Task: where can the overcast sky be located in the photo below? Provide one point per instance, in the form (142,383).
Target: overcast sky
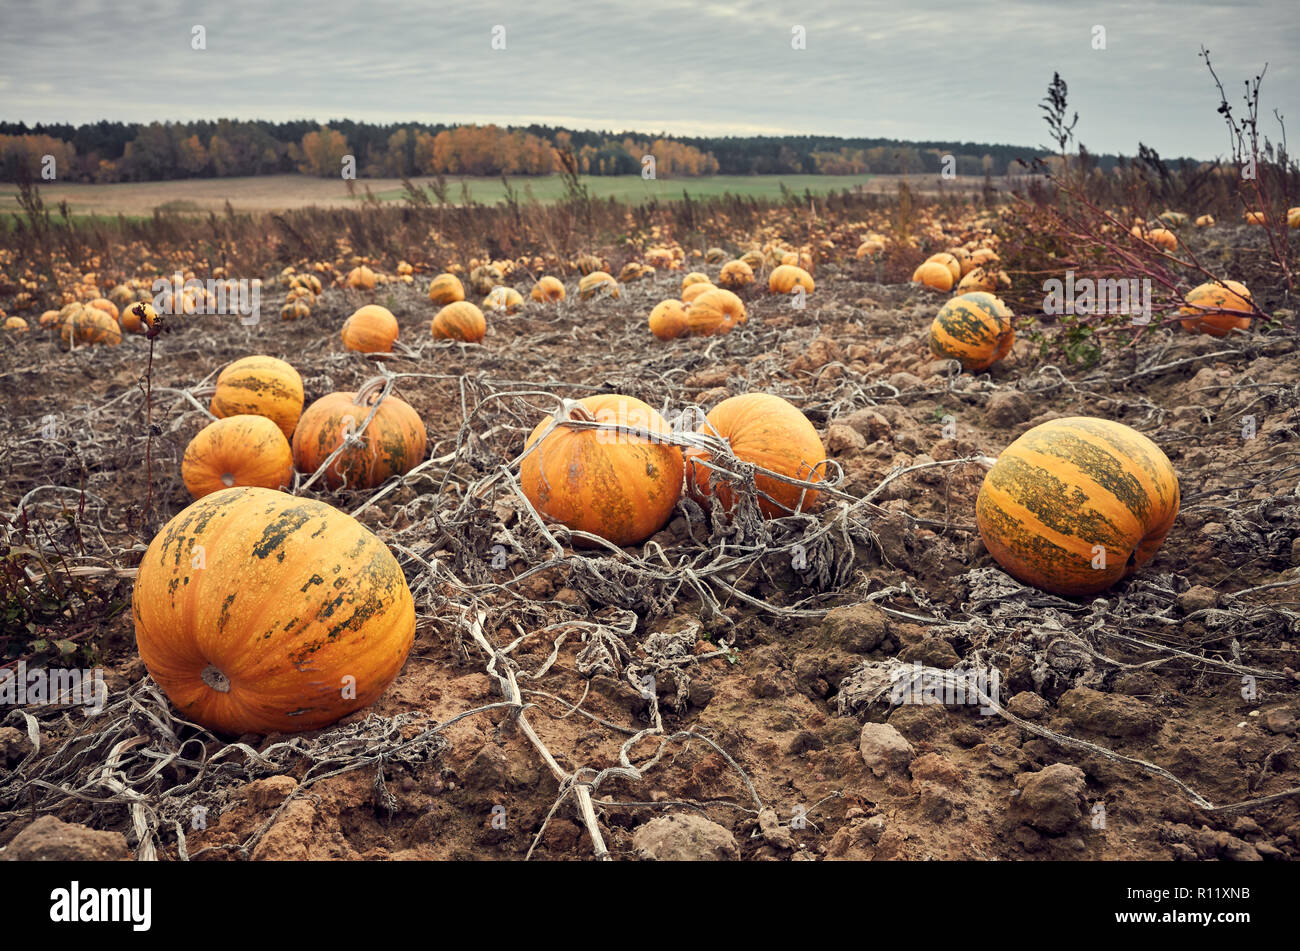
(965,71)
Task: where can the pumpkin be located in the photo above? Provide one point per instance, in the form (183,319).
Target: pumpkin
(138,317)
(978,279)
(1205,221)
(459,321)
(668,320)
(392,444)
(715,255)
(307,282)
(446,289)
(769,432)
(659,258)
(634,271)
(107,306)
(695,290)
(261,386)
(590,264)
(370,329)
(736,274)
(616,485)
(485,277)
(1216,309)
(122,296)
(237,450)
(548,290)
(504,300)
(974,329)
(950,262)
(50,318)
(90,325)
(750,259)
(715,311)
(983,257)
(256,611)
(965,264)
(16,324)
(597,283)
(1293,217)
(1256,218)
(295,310)
(1076,504)
(869,248)
(695,277)
(360,278)
(933,274)
(1163,238)
(785,278)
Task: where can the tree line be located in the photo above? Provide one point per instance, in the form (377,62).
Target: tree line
(107,151)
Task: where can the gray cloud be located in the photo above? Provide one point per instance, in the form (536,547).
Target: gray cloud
(970,71)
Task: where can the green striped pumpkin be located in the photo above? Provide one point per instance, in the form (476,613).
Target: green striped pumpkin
(1076,504)
(974,329)
(256,611)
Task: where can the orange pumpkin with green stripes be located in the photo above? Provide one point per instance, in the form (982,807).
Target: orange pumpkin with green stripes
(619,486)
(263,386)
(446,289)
(1076,504)
(392,444)
(256,611)
(974,329)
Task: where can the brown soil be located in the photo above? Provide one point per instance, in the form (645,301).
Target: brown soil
(1152,672)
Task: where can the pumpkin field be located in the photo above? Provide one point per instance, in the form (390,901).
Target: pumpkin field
(955,525)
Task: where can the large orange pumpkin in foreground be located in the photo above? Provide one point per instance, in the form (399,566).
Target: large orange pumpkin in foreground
(1217,309)
(459,321)
(974,329)
(262,386)
(237,450)
(393,442)
(769,432)
(256,611)
(619,486)
(1076,504)
(370,329)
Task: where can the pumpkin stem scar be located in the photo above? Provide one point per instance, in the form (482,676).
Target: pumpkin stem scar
(215,679)
(227,480)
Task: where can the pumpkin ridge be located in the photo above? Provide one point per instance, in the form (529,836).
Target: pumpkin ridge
(1058,506)
(1089,473)
(1139,452)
